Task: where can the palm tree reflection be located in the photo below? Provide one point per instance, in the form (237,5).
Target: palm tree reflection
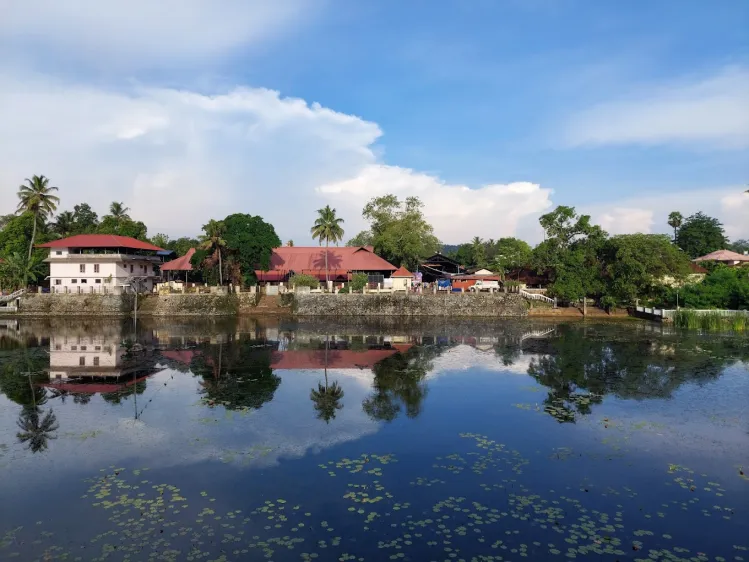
(327,398)
(36,428)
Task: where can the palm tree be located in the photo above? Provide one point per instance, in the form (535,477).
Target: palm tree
(213,240)
(675,220)
(17,271)
(119,211)
(36,431)
(36,197)
(327,228)
(64,224)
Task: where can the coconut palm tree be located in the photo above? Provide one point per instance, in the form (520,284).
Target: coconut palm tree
(119,211)
(675,220)
(64,224)
(16,271)
(35,196)
(327,228)
(213,241)
(36,431)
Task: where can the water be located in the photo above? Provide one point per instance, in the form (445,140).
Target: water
(468,441)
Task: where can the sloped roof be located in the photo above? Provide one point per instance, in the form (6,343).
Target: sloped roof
(336,359)
(402,272)
(312,258)
(723,255)
(100,241)
(182,263)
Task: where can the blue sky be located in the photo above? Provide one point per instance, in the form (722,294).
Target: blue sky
(492,112)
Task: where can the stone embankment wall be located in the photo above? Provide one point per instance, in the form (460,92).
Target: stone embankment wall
(492,305)
(148,305)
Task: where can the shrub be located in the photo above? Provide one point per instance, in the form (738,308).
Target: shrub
(303,280)
(359,281)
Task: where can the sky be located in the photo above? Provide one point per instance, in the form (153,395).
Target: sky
(493,112)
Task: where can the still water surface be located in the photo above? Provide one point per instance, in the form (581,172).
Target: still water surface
(314,440)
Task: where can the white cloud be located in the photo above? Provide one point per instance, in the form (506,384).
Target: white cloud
(650,214)
(711,111)
(144,32)
(457,212)
(178,158)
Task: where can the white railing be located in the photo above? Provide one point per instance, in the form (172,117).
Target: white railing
(536,297)
(536,334)
(12,296)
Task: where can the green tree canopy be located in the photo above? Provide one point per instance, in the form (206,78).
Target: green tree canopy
(123,227)
(364,238)
(511,253)
(86,220)
(634,265)
(400,233)
(180,246)
(699,235)
(64,224)
(249,243)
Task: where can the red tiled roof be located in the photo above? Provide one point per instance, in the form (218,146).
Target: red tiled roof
(337,359)
(402,272)
(180,264)
(309,259)
(697,268)
(100,241)
(723,255)
(182,355)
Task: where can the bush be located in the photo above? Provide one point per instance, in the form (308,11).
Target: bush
(359,281)
(303,280)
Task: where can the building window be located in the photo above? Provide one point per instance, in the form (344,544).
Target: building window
(96,361)
(58,281)
(58,347)
(97,348)
(58,253)
(97,281)
(82,361)
(83,348)
(84,280)
(96,268)
(74,280)
(131,268)
(82,267)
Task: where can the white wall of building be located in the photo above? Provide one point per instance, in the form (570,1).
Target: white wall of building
(87,273)
(69,355)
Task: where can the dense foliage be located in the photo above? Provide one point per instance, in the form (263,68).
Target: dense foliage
(304,280)
(398,230)
(699,235)
(723,288)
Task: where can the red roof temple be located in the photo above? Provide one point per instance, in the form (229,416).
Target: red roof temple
(182,263)
(101,241)
(310,260)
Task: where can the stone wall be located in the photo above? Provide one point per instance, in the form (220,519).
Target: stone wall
(491,305)
(148,305)
(61,304)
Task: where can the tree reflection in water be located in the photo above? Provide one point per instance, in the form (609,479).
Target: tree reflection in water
(580,369)
(327,398)
(36,428)
(236,374)
(399,383)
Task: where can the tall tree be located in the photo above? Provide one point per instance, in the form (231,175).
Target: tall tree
(160,239)
(364,238)
(700,235)
(119,211)
(36,197)
(400,232)
(327,399)
(675,221)
(511,253)
(327,228)
(64,224)
(249,244)
(478,250)
(86,220)
(213,242)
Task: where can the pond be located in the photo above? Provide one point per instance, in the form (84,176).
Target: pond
(314,439)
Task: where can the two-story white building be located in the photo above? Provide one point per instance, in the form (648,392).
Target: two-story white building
(101,263)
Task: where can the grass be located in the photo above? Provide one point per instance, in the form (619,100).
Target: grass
(710,321)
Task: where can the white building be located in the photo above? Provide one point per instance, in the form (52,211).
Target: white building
(101,263)
(95,356)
